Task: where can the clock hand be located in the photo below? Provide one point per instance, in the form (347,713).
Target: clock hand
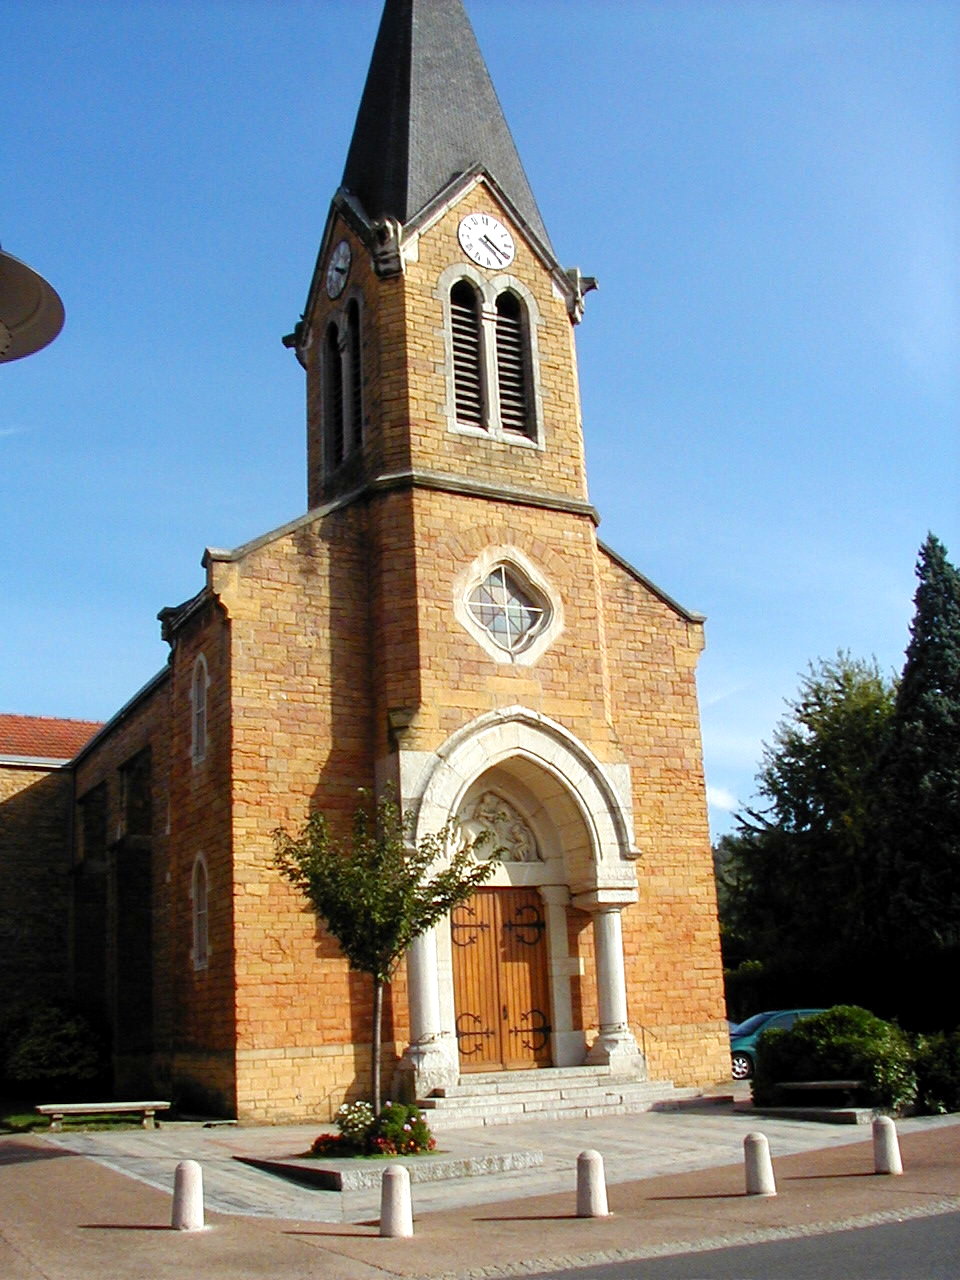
(490,245)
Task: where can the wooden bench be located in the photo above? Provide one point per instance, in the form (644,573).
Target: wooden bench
(848,1087)
(147,1110)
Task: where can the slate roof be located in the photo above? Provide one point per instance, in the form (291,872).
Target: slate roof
(43,737)
(429,112)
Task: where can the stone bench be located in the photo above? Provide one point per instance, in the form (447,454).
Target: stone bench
(821,1086)
(147,1110)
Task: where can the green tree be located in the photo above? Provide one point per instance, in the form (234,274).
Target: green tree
(799,875)
(922,774)
(378,891)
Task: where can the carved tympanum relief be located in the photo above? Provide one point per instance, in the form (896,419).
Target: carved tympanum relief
(509,832)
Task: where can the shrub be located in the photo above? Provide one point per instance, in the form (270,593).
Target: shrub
(399,1130)
(844,1043)
(45,1045)
(938,1073)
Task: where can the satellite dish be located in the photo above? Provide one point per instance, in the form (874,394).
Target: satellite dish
(31,313)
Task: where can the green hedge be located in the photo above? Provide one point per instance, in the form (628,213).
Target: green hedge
(844,1043)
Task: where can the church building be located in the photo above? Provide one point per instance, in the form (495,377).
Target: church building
(444,621)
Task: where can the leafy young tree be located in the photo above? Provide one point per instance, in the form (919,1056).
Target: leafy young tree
(922,776)
(378,891)
(799,875)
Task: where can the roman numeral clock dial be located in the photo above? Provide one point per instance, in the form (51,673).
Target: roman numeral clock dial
(486,241)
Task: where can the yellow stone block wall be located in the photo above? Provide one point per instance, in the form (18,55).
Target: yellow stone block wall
(559,467)
(404,358)
(144,725)
(303,657)
(201,1049)
(35,886)
(675,988)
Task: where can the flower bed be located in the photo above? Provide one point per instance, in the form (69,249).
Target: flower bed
(399,1130)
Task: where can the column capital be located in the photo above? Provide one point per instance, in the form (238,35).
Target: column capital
(597,900)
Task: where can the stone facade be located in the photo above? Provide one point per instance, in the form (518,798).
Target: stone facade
(342,652)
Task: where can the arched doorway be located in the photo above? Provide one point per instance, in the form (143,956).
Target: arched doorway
(479,999)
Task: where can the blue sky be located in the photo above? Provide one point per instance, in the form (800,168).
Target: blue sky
(769,194)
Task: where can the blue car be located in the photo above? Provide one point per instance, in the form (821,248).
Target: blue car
(744,1037)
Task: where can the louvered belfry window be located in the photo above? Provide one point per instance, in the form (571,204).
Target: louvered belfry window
(512,373)
(356,375)
(333,396)
(467,358)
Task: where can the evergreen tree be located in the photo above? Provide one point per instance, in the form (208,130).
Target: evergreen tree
(379,891)
(922,776)
(799,876)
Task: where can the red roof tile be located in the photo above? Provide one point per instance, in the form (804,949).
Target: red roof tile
(43,737)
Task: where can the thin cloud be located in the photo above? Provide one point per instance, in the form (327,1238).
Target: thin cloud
(721,798)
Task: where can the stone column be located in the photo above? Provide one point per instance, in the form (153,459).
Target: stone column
(615,1044)
(430,1061)
(569,1045)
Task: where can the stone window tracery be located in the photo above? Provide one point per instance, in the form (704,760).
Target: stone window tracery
(507,609)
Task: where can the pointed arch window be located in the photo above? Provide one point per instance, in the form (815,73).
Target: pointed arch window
(491,356)
(343,385)
(199,684)
(513,370)
(355,378)
(200,914)
(467,354)
(333,396)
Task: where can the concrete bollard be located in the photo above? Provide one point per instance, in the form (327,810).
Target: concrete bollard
(591,1186)
(886,1148)
(187,1197)
(757,1166)
(396,1208)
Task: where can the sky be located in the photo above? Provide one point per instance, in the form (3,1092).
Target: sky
(767,190)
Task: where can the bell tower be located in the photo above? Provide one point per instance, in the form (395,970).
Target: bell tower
(437,332)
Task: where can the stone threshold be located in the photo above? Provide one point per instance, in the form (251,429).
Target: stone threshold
(328,1173)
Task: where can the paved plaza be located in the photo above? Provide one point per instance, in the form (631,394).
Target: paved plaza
(98,1204)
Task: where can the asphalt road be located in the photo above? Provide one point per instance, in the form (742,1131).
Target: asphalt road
(920,1249)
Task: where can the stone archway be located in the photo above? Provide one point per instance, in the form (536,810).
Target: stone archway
(567,821)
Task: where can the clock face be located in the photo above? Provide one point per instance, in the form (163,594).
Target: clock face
(486,241)
(338,268)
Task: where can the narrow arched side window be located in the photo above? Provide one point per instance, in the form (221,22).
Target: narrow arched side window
(513,366)
(333,397)
(201,914)
(354,387)
(467,355)
(199,685)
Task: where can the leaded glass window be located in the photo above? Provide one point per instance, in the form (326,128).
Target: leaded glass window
(507,610)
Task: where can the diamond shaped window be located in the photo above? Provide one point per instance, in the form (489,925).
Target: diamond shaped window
(508,609)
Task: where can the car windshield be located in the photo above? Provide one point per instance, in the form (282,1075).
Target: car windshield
(751,1024)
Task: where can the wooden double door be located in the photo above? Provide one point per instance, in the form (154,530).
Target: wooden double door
(500,983)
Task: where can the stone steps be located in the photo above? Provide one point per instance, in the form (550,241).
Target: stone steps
(551,1093)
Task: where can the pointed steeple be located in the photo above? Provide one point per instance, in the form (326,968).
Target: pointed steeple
(430,112)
